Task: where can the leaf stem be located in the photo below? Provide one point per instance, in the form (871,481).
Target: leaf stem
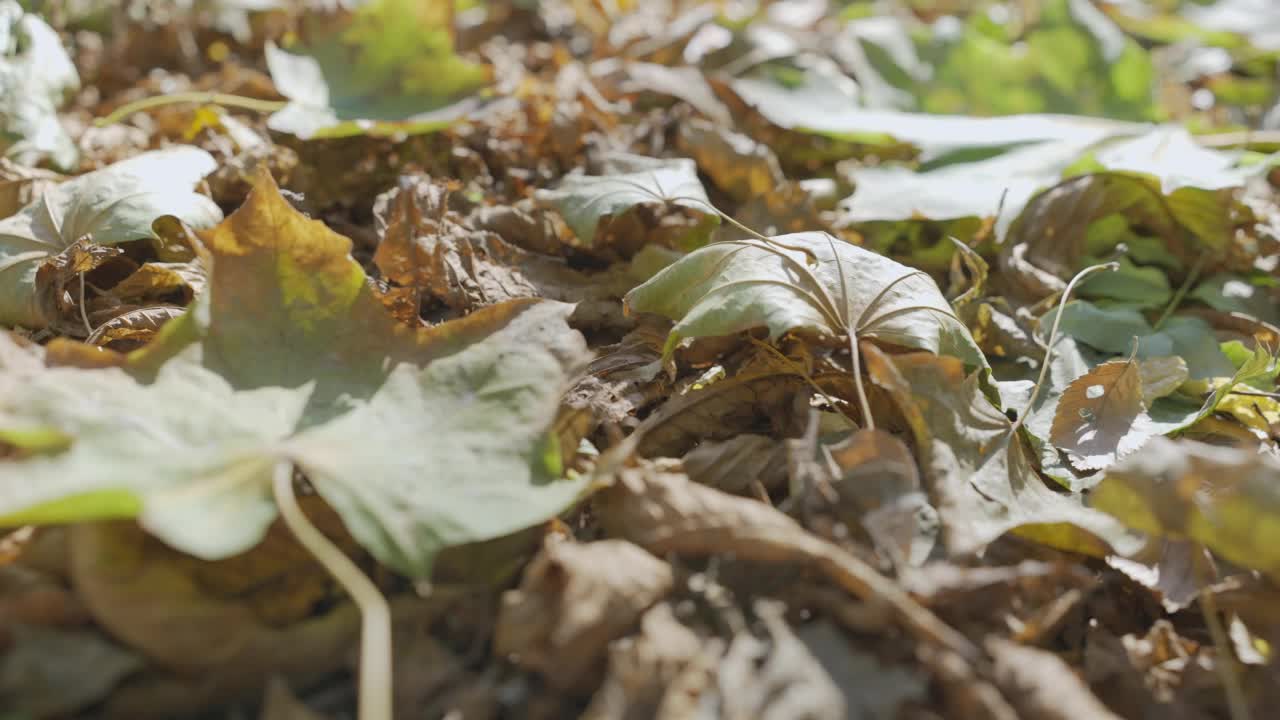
(1053,337)
(1237,703)
(203,98)
(375,630)
(863,405)
(1182,290)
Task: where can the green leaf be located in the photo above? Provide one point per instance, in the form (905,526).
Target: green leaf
(1113,330)
(419,439)
(36,75)
(821,106)
(808,281)
(1227,292)
(113,205)
(1226,498)
(388,67)
(589,201)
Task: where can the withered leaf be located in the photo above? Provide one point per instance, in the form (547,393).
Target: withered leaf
(1102,415)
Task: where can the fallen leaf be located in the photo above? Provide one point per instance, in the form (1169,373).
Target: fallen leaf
(665,513)
(872,689)
(1221,497)
(384,68)
(596,206)
(979,475)
(804,281)
(573,600)
(1102,415)
(114,205)
(342,367)
(36,75)
(643,668)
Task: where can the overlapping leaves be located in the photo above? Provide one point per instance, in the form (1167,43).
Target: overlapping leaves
(420,439)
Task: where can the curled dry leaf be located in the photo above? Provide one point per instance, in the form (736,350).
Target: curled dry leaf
(573,600)
(643,669)
(1041,685)
(665,513)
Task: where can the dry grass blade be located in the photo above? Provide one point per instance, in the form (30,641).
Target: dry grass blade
(665,513)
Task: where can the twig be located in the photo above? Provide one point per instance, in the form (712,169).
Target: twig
(1053,336)
(1237,703)
(202,98)
(1181,293)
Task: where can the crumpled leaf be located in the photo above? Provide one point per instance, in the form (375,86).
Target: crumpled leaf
(784,285)
(980,477)
(593,204)
(114,205)
(304,381)
(1224,498)
(573,600)
(873,689)
(1041,685)
(665,513)
(644,669)
(35,76)
(386,67)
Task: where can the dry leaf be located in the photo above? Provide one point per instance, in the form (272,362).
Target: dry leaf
(1101,416)
(664,513)
(573,600)
(1041,685)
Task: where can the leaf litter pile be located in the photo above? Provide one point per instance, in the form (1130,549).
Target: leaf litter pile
(607,359)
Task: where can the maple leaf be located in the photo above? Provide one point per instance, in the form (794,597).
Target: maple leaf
(419,439)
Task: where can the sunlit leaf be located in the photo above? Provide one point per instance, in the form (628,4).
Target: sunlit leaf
(590,204)
(808,281)
(1226,498)
(35,77)
(387,67)
(419,439)
(114,205)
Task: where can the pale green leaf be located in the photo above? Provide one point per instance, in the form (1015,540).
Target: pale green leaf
(588,201)
(387,67)
(808,281)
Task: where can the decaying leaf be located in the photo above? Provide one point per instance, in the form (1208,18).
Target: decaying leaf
(114,205)
(804,281)
(575,599)
(1102,415)
(1224,498)
(980,477)
(339,364)
(598,207)
(665,513)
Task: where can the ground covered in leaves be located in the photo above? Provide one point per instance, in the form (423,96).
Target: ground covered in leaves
(793,359)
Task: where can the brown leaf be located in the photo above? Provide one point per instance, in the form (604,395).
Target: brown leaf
(665,513)
(189,617)
(133,329)
(1101,415)
(738,165)
(1041,685)
(879,486)
(643,668)
(739,464)
(573,600)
